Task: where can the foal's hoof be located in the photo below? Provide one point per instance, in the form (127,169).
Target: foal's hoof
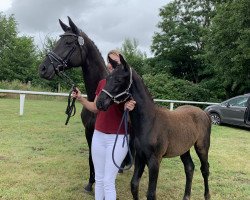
(88,188)
(186,198)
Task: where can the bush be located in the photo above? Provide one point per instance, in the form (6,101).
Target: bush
(163,86)
(18,85)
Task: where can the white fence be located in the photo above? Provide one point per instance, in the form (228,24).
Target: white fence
(23,93)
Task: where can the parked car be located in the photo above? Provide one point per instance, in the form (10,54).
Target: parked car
(231,111)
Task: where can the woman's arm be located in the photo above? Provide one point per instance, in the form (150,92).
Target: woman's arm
(91,106)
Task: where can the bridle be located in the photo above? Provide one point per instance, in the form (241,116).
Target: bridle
(59,64)
(125,92)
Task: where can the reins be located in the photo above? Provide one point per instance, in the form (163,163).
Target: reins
(125,139)
(71,108)
(71,105)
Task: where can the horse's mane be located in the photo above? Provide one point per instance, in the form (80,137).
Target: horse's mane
(93,45)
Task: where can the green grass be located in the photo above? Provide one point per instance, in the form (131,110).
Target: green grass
(41,158)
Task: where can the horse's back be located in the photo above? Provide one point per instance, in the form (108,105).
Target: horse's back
(199,115)
(182,128)
(187,114)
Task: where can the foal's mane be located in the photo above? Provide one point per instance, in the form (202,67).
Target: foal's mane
(138,79)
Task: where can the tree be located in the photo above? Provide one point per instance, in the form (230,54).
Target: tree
(133,55)
(17,53)
(180,40)
(228,46)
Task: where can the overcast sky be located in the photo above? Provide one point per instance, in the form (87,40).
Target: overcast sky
(106,22)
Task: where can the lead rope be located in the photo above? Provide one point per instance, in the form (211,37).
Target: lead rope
(125,120)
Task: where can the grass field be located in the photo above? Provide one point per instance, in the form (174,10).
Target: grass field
(41,158)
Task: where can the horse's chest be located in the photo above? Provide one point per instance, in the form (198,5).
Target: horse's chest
(88,118)
(141,144)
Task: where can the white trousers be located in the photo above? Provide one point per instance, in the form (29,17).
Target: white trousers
(105,170)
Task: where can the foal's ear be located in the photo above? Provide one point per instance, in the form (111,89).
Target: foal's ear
(64,26)
(73,27)
(123,61)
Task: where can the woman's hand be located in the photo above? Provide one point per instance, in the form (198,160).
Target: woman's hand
(91,106)
(77,94)
(130,105)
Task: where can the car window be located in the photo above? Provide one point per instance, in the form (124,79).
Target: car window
(239,101)
(224,103)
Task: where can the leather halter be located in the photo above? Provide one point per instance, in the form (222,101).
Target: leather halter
(125,92)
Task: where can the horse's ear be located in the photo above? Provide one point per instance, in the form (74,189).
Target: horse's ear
(123,61)
(64,26)
(73,27)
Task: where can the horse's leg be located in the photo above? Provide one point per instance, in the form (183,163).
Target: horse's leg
(203,156)
(89,135)
(138,171)
(189,171)
(153,169)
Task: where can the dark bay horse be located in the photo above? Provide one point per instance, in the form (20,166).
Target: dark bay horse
(159,132)
(75,49)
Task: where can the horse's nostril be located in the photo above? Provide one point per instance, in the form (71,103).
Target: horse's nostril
(43,68)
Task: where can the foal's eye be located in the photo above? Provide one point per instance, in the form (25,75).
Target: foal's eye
(118,80)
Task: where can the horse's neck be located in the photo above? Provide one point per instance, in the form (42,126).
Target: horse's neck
(94,70)
(145,108)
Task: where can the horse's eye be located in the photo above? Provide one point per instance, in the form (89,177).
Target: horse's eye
(68,42)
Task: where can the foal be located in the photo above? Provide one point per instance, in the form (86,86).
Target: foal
(159,132)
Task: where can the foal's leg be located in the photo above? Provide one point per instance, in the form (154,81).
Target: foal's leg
(203,156)
(153,168)
(189,171)
(138,171)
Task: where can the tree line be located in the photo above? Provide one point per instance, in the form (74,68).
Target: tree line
(201,52)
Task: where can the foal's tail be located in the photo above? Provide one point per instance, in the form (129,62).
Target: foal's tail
(203,141)
(209,118)
(209,122)
(208,129)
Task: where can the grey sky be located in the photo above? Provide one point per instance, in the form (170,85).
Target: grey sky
(106,22)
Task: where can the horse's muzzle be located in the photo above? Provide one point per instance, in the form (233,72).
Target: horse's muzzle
(45,72)
(103,102)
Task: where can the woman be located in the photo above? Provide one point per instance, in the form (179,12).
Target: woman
(106,127)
